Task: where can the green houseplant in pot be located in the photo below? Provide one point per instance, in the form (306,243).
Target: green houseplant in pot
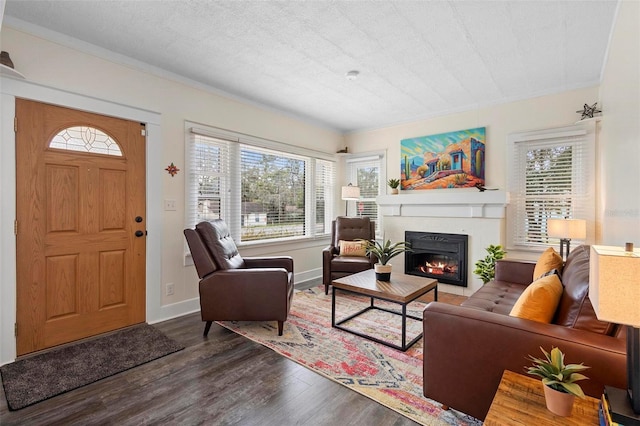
(385,252)
(559,380)
(393,184)
(486,268)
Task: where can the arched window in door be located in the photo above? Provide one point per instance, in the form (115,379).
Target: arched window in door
(85,139)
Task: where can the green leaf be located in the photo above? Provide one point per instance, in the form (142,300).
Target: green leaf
(555,373)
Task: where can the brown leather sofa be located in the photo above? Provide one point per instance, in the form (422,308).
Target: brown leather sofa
(347,229)
(467,347)
(233,288)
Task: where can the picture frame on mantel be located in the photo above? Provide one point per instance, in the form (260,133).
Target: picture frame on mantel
(444,160)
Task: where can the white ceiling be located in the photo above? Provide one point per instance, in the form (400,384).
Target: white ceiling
(417,59)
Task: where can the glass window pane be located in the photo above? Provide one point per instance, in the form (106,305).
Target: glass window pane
(85,139)
(273,194)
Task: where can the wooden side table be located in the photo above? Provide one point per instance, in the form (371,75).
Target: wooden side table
(520,401)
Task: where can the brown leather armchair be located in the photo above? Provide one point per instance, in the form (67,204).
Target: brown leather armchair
(347,229)
(233,288)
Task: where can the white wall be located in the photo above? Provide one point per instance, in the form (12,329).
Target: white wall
(500,120)
(66,67)
(619,206)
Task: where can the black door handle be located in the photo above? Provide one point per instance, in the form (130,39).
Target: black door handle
(139,233)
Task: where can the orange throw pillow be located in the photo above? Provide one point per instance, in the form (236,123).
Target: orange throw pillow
(352,248)
(539,300)
(548,260)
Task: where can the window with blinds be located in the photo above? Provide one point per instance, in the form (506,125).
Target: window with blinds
(273,194)
(264,190)
(325,183)
(551,175)
(367,174)
(208,177)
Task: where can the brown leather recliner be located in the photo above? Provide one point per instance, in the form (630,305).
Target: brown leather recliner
(233,288)
(348,229)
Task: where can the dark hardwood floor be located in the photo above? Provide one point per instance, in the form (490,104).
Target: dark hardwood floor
(223,379)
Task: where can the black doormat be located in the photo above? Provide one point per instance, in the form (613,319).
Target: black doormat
(45,375)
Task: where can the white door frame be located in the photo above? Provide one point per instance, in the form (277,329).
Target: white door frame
(10,90)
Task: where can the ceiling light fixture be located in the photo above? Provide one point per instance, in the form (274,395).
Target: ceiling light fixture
(352,75)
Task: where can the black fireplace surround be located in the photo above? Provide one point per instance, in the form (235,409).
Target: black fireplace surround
(439,256)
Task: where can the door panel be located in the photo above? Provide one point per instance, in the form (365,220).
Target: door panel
(80,268)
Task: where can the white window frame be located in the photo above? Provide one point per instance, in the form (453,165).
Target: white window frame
(353,162)
(231,199)
(583,174)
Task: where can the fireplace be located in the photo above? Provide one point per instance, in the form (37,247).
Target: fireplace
(439,256)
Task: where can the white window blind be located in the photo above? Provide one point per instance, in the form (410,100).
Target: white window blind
(324,190)
(366,173)
(264,190)
(208,179)
(551,176)
(273,194)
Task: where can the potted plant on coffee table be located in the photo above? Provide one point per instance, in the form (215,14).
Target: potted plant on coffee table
(385,252)
(559,380)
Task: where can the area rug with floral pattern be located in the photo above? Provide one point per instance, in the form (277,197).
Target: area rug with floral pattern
(388,376)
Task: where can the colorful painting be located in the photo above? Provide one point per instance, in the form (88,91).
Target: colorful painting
(445,160)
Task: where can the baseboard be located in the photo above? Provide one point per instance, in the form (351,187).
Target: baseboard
(175,310)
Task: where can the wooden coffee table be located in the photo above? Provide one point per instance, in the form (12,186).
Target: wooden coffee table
(520,401)
(402,289)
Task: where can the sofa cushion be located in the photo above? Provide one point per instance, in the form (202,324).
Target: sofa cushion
(351,264)
(495,296)
(352,248)
(539,300)
(548,260)
(575,309)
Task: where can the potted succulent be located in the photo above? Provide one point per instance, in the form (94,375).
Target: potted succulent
(385,252)
(486,268)
(559,380)
(393,184)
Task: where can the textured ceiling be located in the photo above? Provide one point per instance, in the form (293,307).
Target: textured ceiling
(416,59)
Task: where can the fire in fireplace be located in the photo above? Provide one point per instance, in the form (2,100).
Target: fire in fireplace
(439,256)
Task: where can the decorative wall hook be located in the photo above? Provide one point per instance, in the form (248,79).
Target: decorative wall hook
(172,169)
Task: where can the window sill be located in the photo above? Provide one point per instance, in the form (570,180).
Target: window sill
(271,248)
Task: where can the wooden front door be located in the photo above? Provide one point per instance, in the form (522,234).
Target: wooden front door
(80,230)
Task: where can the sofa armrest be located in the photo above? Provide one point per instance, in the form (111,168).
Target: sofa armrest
(330,251)
(515,271)
(466,351)
(327,255)
(285,262)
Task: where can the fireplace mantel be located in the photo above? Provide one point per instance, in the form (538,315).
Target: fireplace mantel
(435,203)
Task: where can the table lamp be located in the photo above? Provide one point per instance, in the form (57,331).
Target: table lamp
(350,192)
(566,229)
(614,291)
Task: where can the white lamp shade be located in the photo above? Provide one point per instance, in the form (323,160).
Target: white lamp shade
(614,284)
(350,192)
(567,228)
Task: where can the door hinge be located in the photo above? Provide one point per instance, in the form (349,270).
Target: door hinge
(15,227)
(15,124)
(15,329)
